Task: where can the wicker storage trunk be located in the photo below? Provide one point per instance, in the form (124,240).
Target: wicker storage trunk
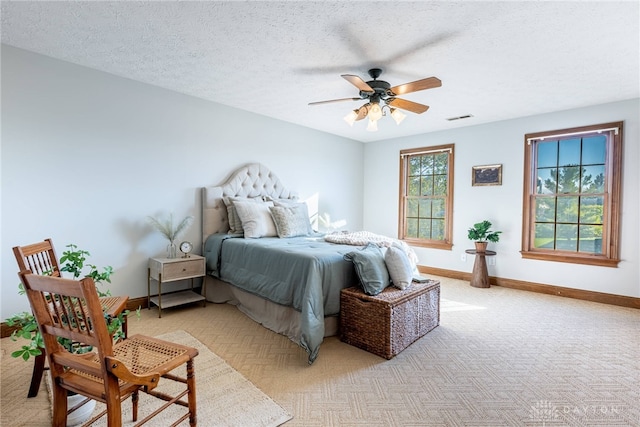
(389,322)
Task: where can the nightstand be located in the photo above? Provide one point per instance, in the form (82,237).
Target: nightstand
(166,270)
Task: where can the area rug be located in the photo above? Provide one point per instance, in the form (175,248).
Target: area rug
(224,396)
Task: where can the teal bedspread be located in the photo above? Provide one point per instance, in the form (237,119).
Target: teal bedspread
(305,273)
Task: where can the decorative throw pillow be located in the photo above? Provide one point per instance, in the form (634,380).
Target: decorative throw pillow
(291,221)
(235,225)
(256,219)
(371,269)
(399,267)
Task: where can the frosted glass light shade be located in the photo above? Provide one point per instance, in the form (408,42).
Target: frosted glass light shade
(375,112)
(372,126)
(398,115)
(351,117)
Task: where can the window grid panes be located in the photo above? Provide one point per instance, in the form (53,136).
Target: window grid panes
(425,199)
(573,196)
(569,195)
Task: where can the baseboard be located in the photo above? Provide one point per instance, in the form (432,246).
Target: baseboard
(601,297)
(135,303)
(5,330)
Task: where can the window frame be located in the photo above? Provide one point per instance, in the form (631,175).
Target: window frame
(612,198)
(405,155)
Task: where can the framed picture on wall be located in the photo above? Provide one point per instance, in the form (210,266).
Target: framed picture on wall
(486,175)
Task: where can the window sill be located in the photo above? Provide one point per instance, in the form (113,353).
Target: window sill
(574,259)
(429,244)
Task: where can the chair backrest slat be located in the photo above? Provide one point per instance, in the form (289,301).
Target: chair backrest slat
(39,258)
(67,308)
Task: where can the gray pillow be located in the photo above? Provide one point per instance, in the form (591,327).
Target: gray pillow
(235,224)
(256,219)
(399,267)
(291,221)
(371,269)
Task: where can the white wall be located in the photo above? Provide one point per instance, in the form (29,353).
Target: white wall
(87,156)
(503,142)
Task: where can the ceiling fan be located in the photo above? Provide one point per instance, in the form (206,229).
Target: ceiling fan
(380,94)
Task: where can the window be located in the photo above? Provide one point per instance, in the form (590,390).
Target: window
(426,196)
(572,195)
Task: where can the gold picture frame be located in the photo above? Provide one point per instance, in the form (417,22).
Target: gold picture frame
(486,175)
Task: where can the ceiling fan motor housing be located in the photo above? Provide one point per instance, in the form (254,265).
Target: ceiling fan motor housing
(380,88)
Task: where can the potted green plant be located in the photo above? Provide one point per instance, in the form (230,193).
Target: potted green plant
(481,234)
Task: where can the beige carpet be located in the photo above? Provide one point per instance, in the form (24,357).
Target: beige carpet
(500,357)
(224,396)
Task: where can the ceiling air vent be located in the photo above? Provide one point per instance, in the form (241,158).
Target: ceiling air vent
(466,116)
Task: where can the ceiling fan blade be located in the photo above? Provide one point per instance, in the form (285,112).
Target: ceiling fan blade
(362,112)
(403,104)
(334,100)
(357,82)
(428,83)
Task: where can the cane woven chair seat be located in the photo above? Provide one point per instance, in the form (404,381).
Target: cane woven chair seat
(141,354)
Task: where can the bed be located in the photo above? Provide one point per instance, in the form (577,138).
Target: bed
(289,284)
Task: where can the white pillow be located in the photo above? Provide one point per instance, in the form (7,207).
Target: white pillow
(256,219)
(399,266)
(291,221)
(235,225)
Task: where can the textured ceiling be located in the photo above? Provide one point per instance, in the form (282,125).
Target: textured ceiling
(496,60)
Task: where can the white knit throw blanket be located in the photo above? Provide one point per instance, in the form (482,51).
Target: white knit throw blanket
(362,238)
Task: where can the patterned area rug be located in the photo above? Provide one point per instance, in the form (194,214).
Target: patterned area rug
(224,396)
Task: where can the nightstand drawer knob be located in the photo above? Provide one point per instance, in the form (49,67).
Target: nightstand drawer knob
(184,269)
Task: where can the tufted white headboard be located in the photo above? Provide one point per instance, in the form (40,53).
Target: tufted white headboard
(252,180)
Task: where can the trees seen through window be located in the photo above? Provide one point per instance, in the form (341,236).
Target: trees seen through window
(572,195)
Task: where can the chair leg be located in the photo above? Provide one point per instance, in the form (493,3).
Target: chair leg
(59,406)
(191,386)
(36,376)
(125,329)
(134,403)
(113,402)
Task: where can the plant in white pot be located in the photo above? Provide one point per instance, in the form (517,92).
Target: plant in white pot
(481,234)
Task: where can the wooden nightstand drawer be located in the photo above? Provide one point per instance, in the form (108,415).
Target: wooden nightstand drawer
(176,268)
(183,270)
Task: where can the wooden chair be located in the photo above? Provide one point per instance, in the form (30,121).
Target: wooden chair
(113,372)
(40,258)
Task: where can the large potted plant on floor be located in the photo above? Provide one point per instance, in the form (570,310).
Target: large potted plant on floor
(481,234)
(72,261)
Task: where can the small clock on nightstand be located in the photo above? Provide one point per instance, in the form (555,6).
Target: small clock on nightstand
(186,248)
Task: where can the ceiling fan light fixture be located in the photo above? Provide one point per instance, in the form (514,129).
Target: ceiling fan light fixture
(372,126)
(398,115)
(375,112)
(351,117)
